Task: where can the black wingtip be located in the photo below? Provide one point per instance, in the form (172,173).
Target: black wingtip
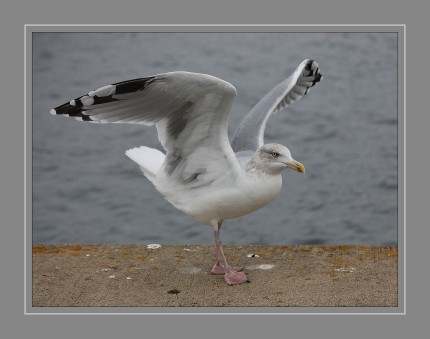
(103,95)
(76,110)
(313,70)
(318,78)
(134,85)
(308,66)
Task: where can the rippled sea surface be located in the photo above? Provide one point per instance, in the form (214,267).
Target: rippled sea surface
(345,132)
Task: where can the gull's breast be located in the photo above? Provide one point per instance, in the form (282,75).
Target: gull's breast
(246,195)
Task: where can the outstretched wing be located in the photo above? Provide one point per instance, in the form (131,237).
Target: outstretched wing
(190,112)
(250,133)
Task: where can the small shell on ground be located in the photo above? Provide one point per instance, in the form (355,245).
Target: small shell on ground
(153,246)
(190,270)
(260,267)
(252,255)
(345,269)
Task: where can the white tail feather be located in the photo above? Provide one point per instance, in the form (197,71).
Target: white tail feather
(148,159)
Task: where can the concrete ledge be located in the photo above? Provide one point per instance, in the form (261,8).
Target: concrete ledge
(135,275)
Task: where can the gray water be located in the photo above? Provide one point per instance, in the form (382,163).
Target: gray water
(344,131)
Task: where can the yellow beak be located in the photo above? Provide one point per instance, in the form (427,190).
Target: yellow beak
(297,166)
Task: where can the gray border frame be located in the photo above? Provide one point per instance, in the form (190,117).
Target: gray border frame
(399,29)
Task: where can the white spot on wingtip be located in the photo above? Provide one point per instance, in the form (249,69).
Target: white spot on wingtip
(103,91)
(153,246)
(53,111)
(87,101)
(72,102)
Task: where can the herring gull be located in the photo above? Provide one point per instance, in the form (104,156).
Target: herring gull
(201,173)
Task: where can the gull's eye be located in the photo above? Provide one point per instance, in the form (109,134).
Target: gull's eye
(275,154)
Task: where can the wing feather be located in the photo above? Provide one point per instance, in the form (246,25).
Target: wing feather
(250,133)
(190,111)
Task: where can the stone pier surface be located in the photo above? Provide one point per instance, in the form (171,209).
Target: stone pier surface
(174,275)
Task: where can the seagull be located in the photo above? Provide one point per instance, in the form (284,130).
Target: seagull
(200,172)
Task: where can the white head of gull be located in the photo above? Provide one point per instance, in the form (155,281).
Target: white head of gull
(200,172)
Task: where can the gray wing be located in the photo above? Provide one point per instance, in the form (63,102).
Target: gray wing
(250,133)
(190,111)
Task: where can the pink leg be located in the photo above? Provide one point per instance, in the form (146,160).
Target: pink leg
(232,275)
(218,267)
